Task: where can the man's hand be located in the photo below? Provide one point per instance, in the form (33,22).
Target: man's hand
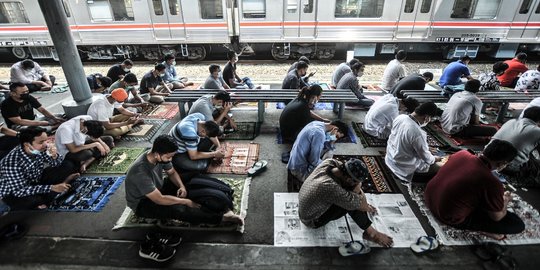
(358,189)
(438,159)
(219,154)
(227,106)
(59,188)
(192,204)
(101,149)
(181,193)
(51,150)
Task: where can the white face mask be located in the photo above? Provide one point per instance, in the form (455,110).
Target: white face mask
(360,74)
(126,69)
(174,63)
(162,75)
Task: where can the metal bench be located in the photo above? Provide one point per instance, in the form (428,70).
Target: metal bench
(339,97)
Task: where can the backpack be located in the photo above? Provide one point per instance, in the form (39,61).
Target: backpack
(211,193)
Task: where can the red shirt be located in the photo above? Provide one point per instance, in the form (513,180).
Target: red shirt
(514,69)
(464,184)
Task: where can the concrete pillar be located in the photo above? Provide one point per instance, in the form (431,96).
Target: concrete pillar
(58,25)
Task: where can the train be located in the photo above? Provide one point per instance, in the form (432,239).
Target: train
(284,29)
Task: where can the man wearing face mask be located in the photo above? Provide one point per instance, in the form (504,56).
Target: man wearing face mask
(312,142)
(461,117)
(407,152)
(466,195)
(171,76)
(18,110)
(350,81)
(215,108)
(118,71)
(294,80)
(153,88)
(215,80)
(98,83)
(25,183)
(32,75)
(333,190)
(136,103)
(379,118)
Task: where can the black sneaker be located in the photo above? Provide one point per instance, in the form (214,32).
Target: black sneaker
(171,240)
(156,251)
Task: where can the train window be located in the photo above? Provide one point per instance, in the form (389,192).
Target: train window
(111,10)
(254,9)
(409,6)
(525,6)
(477,9)
(462,9)
(12,12)
(359,8)
(158,7)
(537,11)
(174,7)
(66,8)
(211,9)
(308,7)
(292,6)
(426,6)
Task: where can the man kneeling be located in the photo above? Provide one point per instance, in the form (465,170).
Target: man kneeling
(333,190)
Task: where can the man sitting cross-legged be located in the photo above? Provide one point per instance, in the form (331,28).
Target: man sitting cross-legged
(333,190)
(466,195)
(379,118)
(135,103)
(215,108)
(80,140)
(196,138)
(25,183)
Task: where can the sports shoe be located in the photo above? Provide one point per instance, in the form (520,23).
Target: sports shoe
(156,251)
(171,240)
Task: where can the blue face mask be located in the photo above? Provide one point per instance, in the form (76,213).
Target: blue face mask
(330,137)
(34,151)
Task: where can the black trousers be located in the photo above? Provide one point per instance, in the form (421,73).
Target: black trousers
(335,212)
(147,208)
(480,221)
(34,87)
(7,143)
(50,176)
(85,155)
(476,131)
(183,163)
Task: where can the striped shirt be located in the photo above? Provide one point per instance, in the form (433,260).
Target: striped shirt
(185,132)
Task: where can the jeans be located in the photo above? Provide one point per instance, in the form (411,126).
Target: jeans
(480,221)
(335,212)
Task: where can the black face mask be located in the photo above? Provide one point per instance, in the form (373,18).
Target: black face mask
(25,96)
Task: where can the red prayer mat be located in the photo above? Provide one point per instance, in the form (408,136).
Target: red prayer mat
(165,110)
(239,157)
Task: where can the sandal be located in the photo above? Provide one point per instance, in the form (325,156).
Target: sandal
(424,244)
(257,168)
(354,248)
(13,231)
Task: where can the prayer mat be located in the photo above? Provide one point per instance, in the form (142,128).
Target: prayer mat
(326,106)
(373,87)
(128,219)
(350,139)
(380,178)
(165,110)
(434,140)
(87,194)
(239,157)
(144,132)
(245,131)
(248,106)
(195,86)
(117,161)
(451,236)
(436,129)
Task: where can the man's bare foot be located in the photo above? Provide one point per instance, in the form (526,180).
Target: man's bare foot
(495,236)
(71,177)
(378,237)
(232,217)
(82,169)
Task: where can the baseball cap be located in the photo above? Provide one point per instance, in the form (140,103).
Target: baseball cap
(356,169)
(119,94)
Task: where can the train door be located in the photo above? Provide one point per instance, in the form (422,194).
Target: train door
(167,20)
(71,21)
(526,21)
(415,19)
(299,19)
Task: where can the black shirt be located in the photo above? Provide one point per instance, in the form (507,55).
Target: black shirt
(228,73)
(149,81)
(25,109)
(295,116)
(115,72)
(410,82)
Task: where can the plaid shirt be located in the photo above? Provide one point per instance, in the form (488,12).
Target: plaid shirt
(20,173)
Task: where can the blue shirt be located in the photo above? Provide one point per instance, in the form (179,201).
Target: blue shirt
(185,132)
(307,149)
(170,72)
(453,72)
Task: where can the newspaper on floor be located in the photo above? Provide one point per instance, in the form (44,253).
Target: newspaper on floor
(394,218)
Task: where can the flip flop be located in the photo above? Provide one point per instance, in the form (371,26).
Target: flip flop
(257,168)
(285,156)
(424,244)
(354,248)
(13,231)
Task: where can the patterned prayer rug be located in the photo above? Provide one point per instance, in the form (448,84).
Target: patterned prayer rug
(239,157)
(165,110)
(350,139)
(373,87)
(128,219)
(144,132)
(436,129)
(380,178)
(451,236)
(246,131)
(195,86)
(434,140)
(117,161)
(87,194)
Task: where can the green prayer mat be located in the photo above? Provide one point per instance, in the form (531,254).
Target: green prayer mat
(117,161)
(245,131)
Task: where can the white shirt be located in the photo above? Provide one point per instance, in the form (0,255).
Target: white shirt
(458,111)
(101,109)
(393,71)
(70,132)
(530,80)
(378,120)
(534,103)
(407,151)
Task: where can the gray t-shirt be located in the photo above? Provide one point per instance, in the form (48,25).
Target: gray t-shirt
(204,106)
(213,83)
(142,178)
(340,70)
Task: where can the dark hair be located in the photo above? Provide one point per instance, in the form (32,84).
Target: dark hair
(131,78)
(532,113)
(301,65)
(230,55)
(160,67)
(29,134)
(342,127)
(95,128)
(13,86)
(128,62)
(465,58)
(106,81)
(212,129)
(473,86)
(353,61)
(168,57)
(213,67)
(410,104)
(428,75)
(500,67)
(428,108)
(521,56)
(538,67)
(223,95)
(401,55)
(357,66)
(27,63)
(304,58)
(164,144)
(307,93)
(499,150)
